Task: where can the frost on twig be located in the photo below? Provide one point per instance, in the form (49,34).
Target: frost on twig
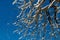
(33,18)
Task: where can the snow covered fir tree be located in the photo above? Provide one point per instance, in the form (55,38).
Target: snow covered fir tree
(38,19)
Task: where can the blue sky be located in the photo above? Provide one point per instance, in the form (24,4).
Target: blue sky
(8,13)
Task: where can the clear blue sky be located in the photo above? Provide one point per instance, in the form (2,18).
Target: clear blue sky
(8,13)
